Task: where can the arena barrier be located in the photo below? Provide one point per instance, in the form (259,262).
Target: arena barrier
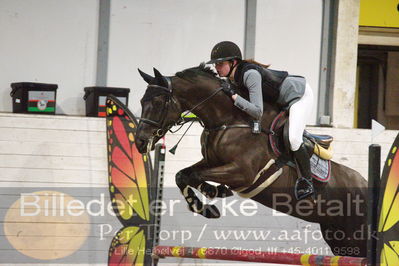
(254,256)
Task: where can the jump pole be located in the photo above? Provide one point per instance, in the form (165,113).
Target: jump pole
(254,256)
(373,196)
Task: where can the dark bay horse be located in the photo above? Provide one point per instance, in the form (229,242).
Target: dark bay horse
(233,156)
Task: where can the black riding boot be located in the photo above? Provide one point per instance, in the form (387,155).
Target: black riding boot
(304,185)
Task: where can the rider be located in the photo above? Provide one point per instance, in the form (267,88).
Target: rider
(292,93)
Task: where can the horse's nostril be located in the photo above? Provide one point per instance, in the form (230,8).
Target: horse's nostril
(141,144)
(139,141)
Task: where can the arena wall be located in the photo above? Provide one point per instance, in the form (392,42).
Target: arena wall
(61,153)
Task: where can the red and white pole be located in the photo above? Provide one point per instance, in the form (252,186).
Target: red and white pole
(255,256)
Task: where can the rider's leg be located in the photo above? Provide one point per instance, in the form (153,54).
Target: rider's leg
(299,112)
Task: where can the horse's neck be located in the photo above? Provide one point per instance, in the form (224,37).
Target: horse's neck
(215,110)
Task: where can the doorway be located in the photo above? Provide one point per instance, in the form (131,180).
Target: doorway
(377,86)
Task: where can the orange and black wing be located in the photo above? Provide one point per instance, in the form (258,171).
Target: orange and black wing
(129,174)
(129,171)
(388,226)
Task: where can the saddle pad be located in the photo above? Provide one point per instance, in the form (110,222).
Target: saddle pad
(321,169)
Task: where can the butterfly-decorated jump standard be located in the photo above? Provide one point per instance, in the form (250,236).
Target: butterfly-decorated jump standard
(129,185)
(388,224)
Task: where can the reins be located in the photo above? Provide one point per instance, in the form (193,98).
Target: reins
(203,101)
(181,121)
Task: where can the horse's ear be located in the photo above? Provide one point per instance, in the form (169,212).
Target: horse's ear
(146,77)
(157,73)
(161,81)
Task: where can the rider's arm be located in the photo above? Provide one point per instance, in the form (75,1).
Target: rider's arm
(254,107)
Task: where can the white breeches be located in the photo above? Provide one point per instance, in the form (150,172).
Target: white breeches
(299,113)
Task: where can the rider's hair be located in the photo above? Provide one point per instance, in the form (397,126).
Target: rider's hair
(252,61)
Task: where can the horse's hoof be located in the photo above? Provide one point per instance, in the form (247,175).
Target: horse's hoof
(223,191)
(210,211)
(208,190)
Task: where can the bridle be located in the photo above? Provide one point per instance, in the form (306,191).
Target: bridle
(161,125)
(162,129)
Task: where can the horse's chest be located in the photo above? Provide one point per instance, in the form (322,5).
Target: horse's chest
(211,150)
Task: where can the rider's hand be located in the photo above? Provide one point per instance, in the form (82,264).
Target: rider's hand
(228,89)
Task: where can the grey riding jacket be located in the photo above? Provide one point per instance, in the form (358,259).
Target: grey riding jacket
(282,88)
(254,107)
(292,89)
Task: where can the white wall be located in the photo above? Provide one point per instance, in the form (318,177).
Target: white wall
(169,35)
(49,41)
(56,41)
(288,36)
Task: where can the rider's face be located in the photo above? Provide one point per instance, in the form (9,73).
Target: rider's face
(223,68)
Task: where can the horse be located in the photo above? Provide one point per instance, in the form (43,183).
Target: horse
(234,157)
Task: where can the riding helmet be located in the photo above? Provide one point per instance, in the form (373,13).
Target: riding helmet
(225,51)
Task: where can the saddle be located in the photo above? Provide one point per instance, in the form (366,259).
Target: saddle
(318,147)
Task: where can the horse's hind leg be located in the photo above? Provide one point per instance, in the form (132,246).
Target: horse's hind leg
(345,243)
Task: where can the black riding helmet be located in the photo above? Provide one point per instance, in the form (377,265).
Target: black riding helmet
(225,51)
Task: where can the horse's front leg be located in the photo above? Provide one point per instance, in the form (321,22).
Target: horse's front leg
(186,180)
(231,174)
(186,177)
(194,177)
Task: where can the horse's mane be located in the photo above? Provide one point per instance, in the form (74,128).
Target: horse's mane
(192,75)
(194,72)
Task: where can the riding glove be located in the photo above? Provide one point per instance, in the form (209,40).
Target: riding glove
(228,89)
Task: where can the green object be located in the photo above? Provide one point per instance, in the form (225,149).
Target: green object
(189,115)
(35,109)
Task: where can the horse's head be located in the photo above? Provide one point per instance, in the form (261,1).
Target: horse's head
(160,111)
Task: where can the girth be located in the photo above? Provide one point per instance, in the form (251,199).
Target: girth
(225,127)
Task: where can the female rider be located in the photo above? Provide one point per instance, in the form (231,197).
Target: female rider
(292,93)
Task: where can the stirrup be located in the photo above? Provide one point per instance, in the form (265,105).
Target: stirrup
(309,191)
